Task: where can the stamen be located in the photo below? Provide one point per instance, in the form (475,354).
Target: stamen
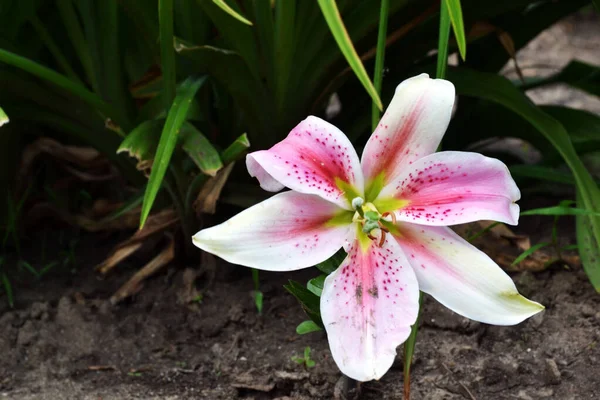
(371,236)
(391,214)
(383,228)
(382,239)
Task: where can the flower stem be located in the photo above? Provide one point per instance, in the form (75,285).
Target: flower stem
(409,350)
(379,58)
(444,36)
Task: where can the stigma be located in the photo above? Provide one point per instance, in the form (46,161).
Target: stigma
(371,220)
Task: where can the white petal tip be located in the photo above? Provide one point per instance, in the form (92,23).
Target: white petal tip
(514,211)
(197,241)
(520,308)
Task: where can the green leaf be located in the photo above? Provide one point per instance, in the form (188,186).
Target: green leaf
(231,11)
(486,120)
(577,74)
(542,173)
(258,300)
(332,263)
(53,48)
(336,25)
(558,210)
(238,37)
(29,268)
(309,301)
(498,89)
(175,119)
(589,250)
(101,24)
(141,142)
(307,327)
(3,117)
(60,81)
(265,37)
(285,12)
(529,252)
(235,149)
(379,59)
(200,150)
(596,4)
(230,70)
(73,29)
(315,285)
(167,52)
(124,209)
(443,38)
(482,232)
(455,13)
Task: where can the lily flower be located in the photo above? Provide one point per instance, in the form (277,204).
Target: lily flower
(390,212)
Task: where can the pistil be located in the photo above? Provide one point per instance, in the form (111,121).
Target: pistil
(370,219)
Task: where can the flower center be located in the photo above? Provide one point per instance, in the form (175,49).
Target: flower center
(371,220)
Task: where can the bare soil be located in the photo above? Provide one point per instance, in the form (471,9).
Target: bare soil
(64,340)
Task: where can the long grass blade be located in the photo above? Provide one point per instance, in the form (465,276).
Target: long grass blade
(560,211)
(529,252)
(379,60)
(59,80)
(285,12)
(75,32)
(588,247)
(3,117)
(8,290)
(112,52)
(458,25)
(232,12)
(167,51)
(444,36)
(53,48)
(175,119)
(339,32)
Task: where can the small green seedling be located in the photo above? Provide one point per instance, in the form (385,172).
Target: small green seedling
(306,360)
(256,293)
(198,299)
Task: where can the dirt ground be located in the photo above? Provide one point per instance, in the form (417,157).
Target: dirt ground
(64,340)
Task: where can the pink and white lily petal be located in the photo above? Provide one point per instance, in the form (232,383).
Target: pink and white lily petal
(368,306)
(411,128)
(463,278)
(286,232)
(315,158)
(454,187)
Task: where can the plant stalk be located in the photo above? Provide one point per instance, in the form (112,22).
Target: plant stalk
(379,60)
(409,349)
